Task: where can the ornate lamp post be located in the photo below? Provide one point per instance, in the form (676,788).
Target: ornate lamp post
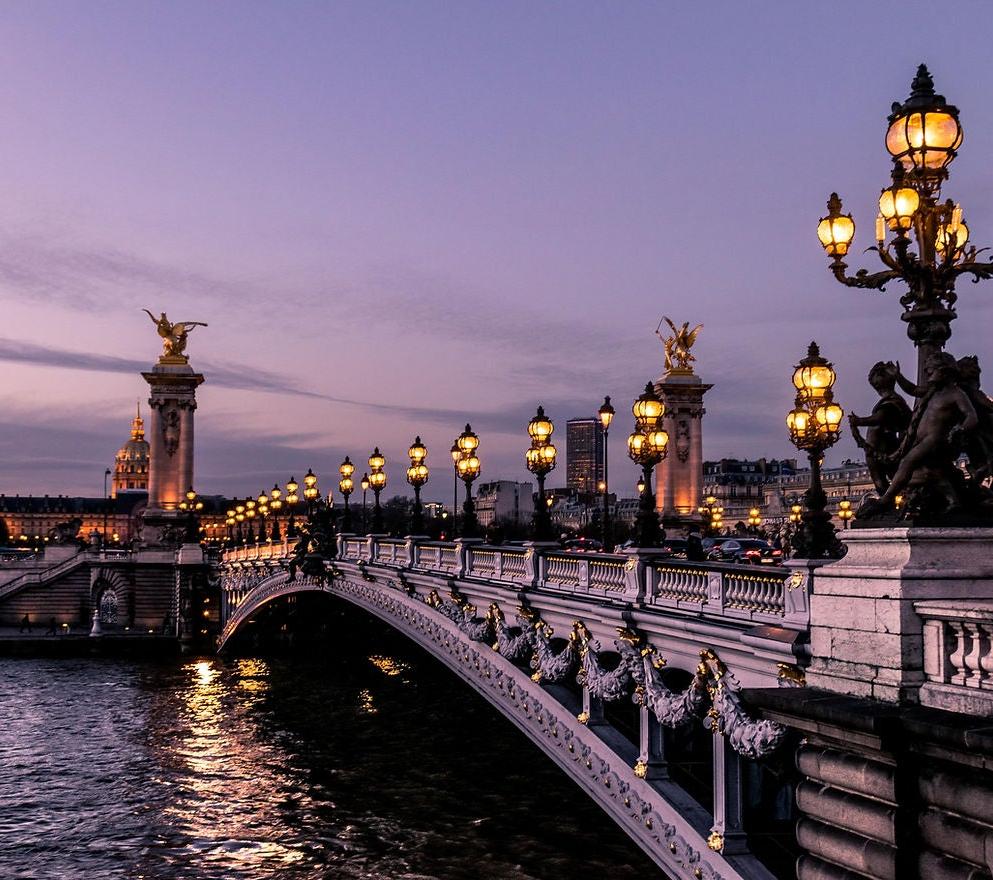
(229,522)
(417,476)
(845,512)
(365,488)
(346,486)
(540,459)
(291,502)
(377,479)
(922,242)
(262,506)
(250,516)
(239,516)
(814,424)
(606,414)
(754,520)
(647,446)
(192,505)
(310,491)
(468,468)
(276,504)
(713,514)
(456,454)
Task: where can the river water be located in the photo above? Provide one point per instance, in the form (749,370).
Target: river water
(352,762)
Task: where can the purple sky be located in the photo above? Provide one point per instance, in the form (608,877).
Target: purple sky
(397,217)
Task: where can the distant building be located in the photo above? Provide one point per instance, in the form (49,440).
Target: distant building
(131,461)
(504,500)
(583,454)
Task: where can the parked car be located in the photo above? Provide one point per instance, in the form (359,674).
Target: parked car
(583,545)
(674,548)
(745,551)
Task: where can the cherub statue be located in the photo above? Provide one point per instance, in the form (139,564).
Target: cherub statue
(677,347)
(889,419)
(173,334)
(941,425)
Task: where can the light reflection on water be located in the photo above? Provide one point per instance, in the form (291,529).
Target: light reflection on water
(246,770)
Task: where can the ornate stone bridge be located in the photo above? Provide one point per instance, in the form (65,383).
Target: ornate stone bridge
(556,640)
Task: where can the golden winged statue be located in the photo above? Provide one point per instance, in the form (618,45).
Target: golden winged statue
(173,335)
(677,346)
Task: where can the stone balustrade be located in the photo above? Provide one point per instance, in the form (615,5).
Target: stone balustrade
(958,654)
(712,590)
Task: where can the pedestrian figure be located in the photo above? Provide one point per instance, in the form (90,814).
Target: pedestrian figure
(51,627)
(694,546)
(25,623)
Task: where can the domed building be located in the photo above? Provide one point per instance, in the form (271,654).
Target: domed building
(131,461)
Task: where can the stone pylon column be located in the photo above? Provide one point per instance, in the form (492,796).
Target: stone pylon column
(679,479)
(172,384)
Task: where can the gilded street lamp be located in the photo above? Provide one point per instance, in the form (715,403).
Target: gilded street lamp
(647,446)
(929,248)
(754,520)
(417,476)
(276,504)
(796,513)
(229,522)
(814,424)
(250,516)
(262,507)
(456,454)
(239,516)
(713,514)
(365,488)
(606,414)
(845,512)
(468,468)
(192,505)
(377,480)
(346,486)
(291,502)
(540,460)
(310,491)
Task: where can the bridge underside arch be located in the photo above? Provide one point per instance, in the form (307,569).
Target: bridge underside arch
(658,815)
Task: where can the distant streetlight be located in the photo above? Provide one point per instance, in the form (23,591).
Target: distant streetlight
(346,486)
(417,476)
(540,460)
(468,468)
(377,479)
(814,424)
(606,414)
(291,502)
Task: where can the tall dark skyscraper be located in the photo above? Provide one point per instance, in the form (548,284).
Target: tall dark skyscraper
(583,454)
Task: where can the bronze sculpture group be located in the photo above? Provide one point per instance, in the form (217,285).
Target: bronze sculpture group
(934,459)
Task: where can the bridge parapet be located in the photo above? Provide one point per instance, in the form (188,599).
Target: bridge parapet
(749,593)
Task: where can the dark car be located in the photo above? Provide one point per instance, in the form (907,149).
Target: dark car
(675,548)
(746,551)
(583,545)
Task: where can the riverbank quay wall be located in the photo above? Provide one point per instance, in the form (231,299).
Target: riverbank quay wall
(85,590)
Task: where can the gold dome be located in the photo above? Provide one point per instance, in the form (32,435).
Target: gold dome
(131,461)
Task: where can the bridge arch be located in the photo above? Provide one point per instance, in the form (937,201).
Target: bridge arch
(677,833)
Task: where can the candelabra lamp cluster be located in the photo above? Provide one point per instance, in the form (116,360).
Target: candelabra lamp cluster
(648,445)
(923,243)
(845,512)
(540,460)
(814,424)
(310,491)
(417,476)
(377,480)
(754,521)
(292,499)
(346,485)
(712,513)
(192,504)
(467,468)
(606,416)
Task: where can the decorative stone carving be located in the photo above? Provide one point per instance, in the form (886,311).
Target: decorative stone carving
(670,708)
(605,684)
(548,664)
(513,642)
(170,431)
